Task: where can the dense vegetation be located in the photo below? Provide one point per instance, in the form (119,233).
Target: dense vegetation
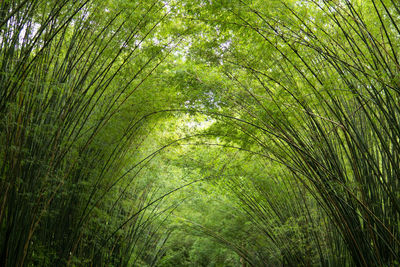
(199,133)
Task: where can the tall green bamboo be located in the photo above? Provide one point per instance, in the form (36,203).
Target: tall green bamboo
(68,71)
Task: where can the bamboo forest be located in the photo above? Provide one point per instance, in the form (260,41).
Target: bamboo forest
(199,133)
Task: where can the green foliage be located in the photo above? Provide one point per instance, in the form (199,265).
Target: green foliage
(199,133)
